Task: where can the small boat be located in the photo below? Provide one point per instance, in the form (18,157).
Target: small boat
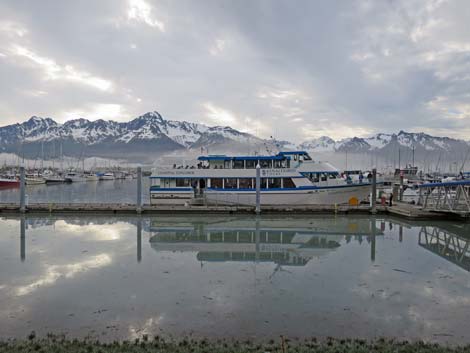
(9,182)
(72,177)
(92,177)
(34,180)
(54,179)
(107,176)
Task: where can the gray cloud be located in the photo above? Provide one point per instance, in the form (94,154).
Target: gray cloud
(294,70)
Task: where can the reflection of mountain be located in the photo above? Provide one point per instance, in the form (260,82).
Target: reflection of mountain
(284,241)
(448,245)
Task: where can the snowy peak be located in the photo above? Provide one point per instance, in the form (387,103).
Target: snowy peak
(321,144)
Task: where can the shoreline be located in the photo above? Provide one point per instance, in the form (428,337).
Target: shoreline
(281,344)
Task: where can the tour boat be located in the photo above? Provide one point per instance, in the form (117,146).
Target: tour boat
(9,182)
(288,178)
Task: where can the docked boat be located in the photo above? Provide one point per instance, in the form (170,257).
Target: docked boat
(92,177)
(72,177)
(107,176)
(9,182)
(288,178)
(34,180)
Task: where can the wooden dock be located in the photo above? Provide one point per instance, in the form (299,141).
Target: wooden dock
(122,208)
(401,210)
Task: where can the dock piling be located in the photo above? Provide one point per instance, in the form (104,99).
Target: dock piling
(139,189)
(139,240)
(258,189)
(374,192)
(400,194)
(22,190)
(23,238)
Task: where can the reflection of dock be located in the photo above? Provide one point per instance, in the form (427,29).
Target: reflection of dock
(452,247)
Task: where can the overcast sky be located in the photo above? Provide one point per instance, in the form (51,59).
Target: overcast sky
(291,69)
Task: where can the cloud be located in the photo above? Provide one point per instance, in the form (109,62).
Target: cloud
(141,11)
(290,70)
(53,71)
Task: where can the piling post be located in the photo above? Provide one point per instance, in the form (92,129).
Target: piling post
(257,239)
(372,240)
(139,240)
(374,192)
(139,190)
(22,238)
(401,188)
(258,189)
(22,190)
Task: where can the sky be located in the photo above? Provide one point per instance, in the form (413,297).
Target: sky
(294,70)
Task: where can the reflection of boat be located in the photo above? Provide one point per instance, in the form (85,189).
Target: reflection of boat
(290,241)
(288,178)
(9,182)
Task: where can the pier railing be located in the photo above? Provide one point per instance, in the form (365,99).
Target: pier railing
(451,197)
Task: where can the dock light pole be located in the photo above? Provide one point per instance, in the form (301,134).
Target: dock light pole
(139,190)
(22,190)
(374,192)
(258,189)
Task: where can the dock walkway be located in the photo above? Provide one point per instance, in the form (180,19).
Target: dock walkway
(402,210)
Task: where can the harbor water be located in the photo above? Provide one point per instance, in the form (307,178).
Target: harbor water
(234,277)
(104,191)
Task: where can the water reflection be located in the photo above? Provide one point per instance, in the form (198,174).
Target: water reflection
(448,245)
(288,242)
(226,276)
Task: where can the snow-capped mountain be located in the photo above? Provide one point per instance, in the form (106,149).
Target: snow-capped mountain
(321,144)
(151,135)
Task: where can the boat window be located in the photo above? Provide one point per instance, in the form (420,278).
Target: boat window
(295,157)
(263,183)
(332,175)
(283,163)
(230,183)
(237,164)
(251,164)
(288,183)
(217,183)
(265,163)
(324,177)
(315,177)
(274,183)
(182,182)
(244,183)
(307,157)
(227,164)
(278,164)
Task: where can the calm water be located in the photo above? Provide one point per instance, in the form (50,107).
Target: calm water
(120,278)
(106,191)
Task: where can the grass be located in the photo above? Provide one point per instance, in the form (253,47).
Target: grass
(57,344)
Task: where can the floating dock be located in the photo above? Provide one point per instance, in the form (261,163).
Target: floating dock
(402,210)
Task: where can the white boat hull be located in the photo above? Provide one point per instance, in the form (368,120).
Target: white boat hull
(311,196)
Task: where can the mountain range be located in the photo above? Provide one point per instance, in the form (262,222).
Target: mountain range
(150,135)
